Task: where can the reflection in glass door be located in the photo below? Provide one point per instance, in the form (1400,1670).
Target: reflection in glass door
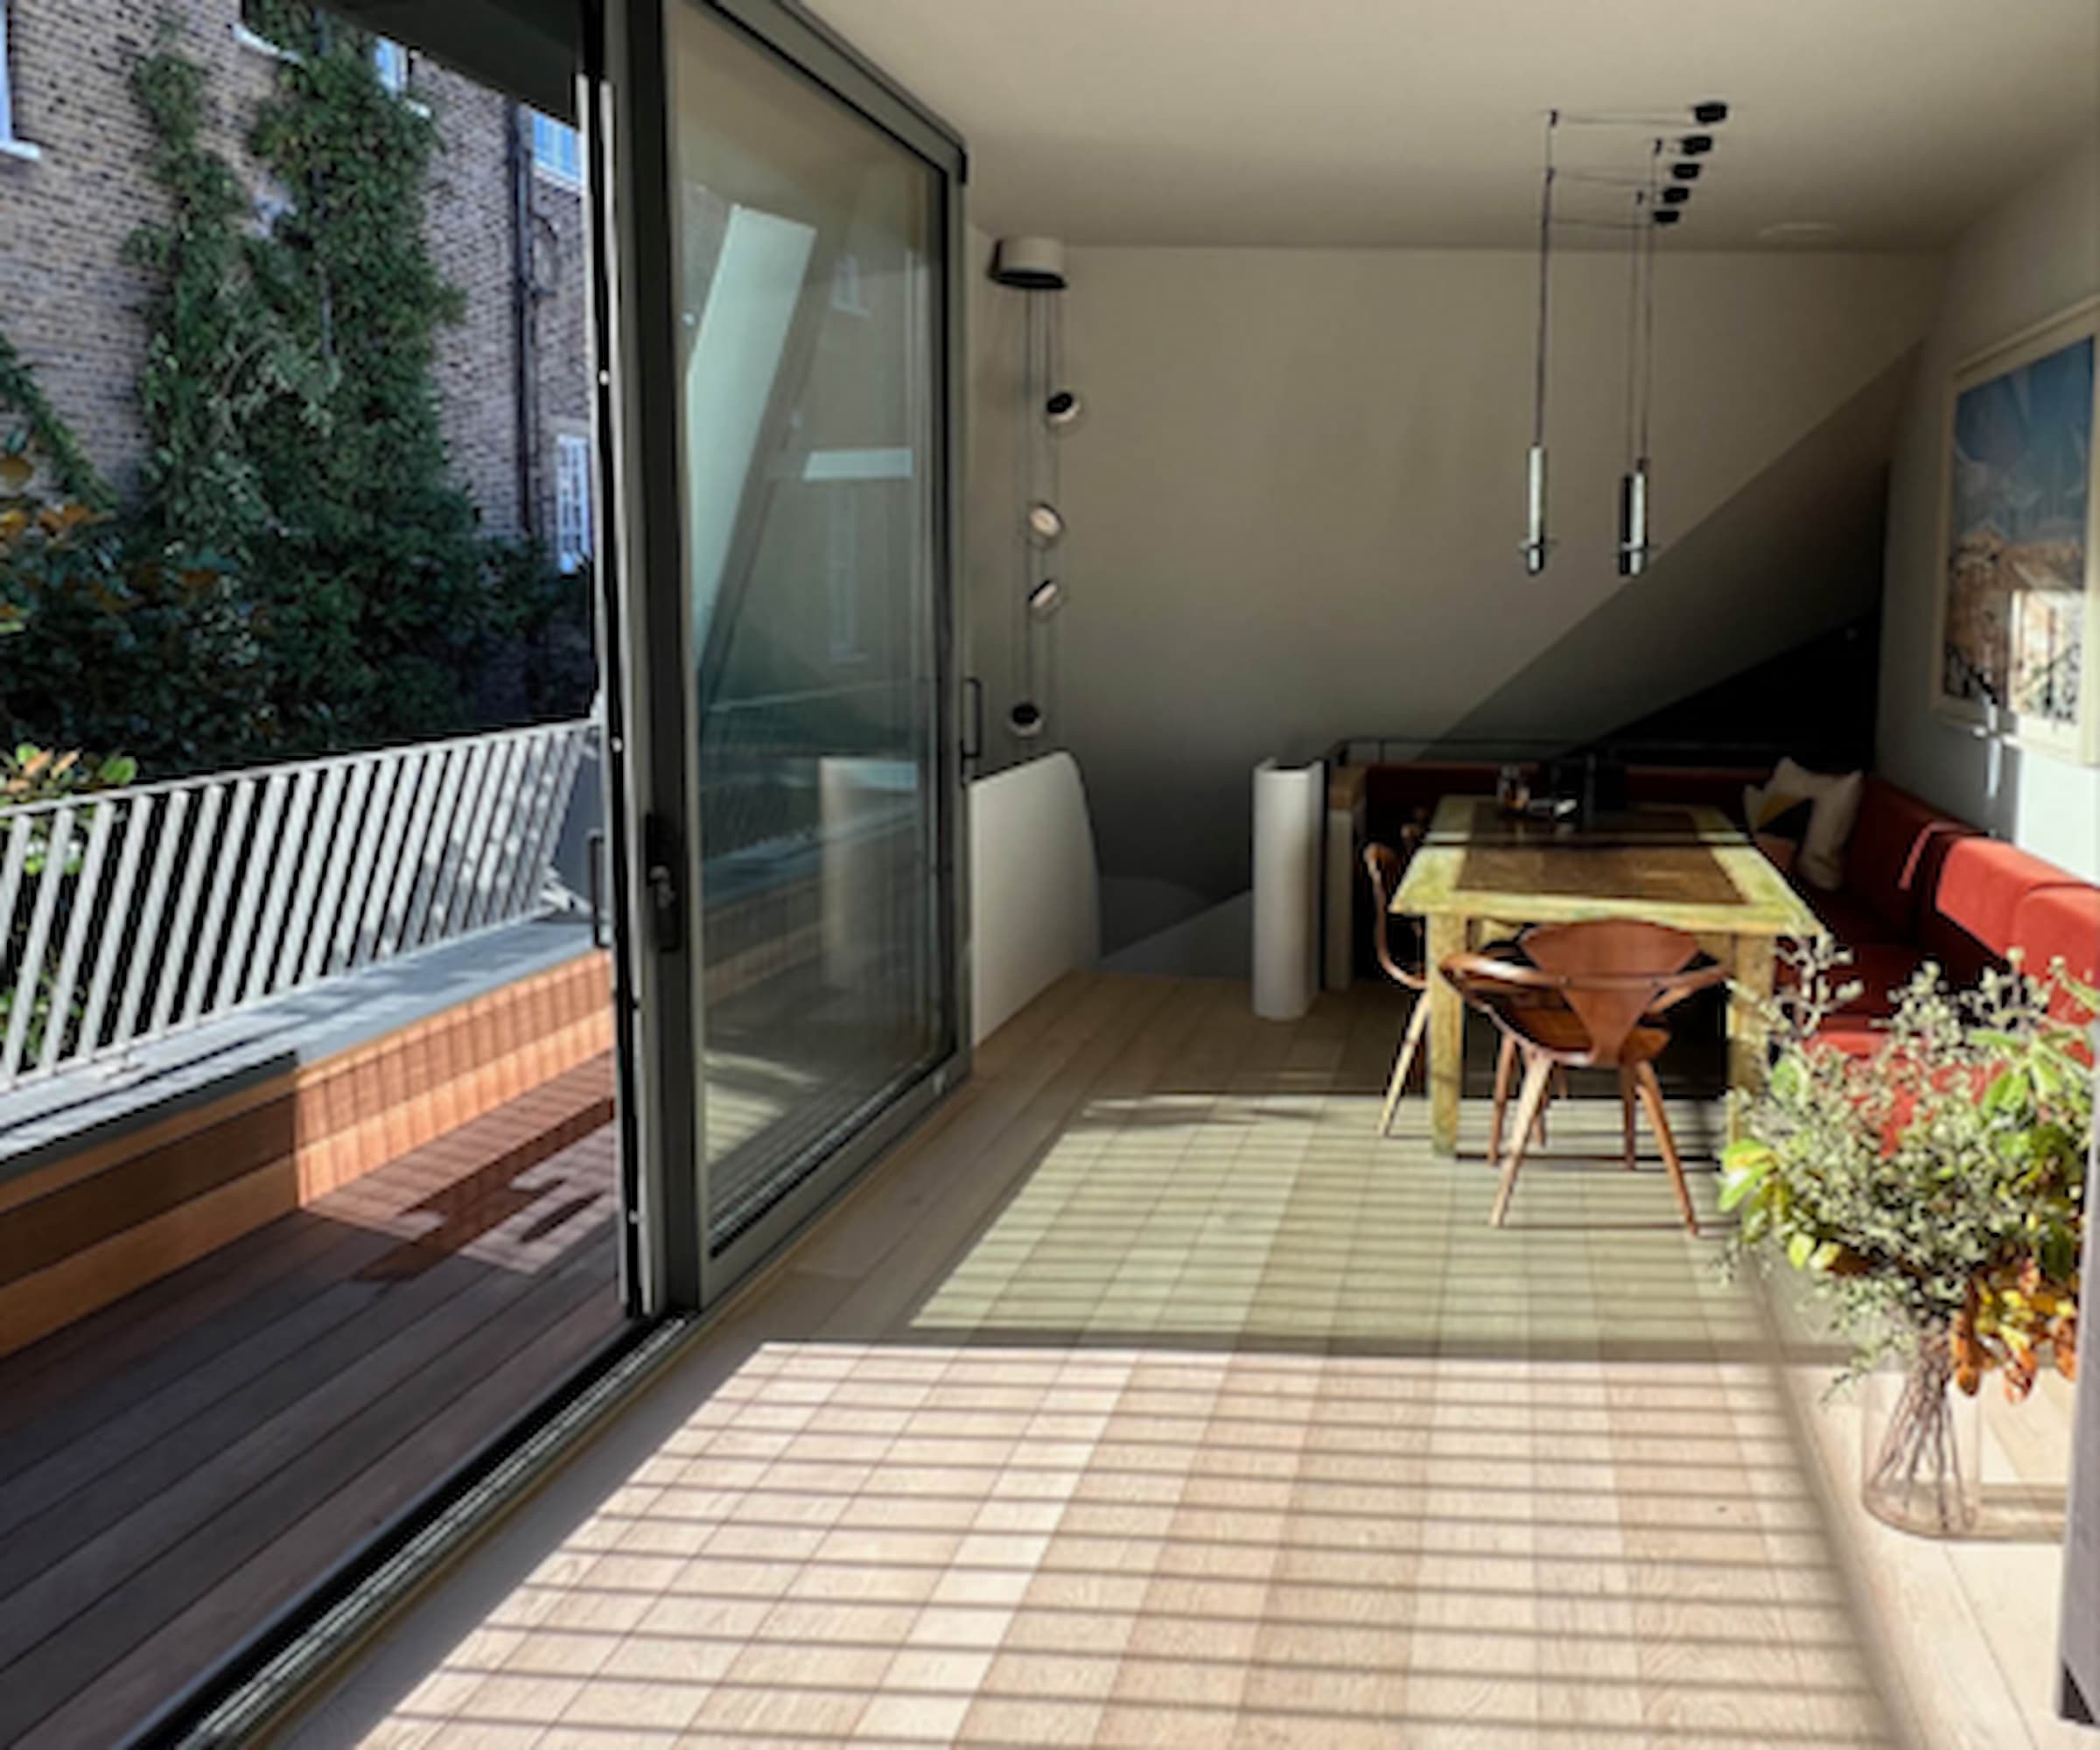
(807,251)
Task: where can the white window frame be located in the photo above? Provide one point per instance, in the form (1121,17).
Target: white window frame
(390,62)
(10,143)
(557,151)
(573,535)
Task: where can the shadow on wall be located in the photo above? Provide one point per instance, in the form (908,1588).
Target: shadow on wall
(1794,555)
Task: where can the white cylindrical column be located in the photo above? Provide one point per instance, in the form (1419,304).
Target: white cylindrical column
(1289,818)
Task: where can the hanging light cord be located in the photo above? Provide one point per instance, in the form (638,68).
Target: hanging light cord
(1545,254)
(1632,331)
(1647,305)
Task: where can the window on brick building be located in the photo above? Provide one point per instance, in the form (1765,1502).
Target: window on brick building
(7,83)
(571,501)
(557,150)
(390,61)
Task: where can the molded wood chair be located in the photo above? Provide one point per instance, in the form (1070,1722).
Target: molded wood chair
(1614,981)
(1385,866)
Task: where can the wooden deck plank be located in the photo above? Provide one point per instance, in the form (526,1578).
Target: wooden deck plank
(497,1378)
(159,1505)
(201,1414)
(57,1401)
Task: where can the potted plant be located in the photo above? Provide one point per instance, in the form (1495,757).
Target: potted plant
(1933,1191)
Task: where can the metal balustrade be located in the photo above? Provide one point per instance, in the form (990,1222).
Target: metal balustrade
(129,915)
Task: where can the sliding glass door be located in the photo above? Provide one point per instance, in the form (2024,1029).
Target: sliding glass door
(804,693)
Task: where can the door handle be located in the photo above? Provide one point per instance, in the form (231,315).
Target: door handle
(974,748)
(667,904)
(594,851)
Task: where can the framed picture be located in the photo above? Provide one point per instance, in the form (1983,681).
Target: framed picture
(2017,649)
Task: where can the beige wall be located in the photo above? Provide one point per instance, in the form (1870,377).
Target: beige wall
(2033,256)
(1296,501)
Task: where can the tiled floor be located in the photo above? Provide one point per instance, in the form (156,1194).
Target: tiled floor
(1147,1398)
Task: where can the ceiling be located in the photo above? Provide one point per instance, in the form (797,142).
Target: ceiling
(1370,123)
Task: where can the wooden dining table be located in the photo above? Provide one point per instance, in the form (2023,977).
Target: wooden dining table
(1479,874)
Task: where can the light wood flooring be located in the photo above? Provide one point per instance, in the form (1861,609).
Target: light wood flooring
(1146,1397)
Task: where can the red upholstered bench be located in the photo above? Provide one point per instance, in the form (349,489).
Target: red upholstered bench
(1919,885)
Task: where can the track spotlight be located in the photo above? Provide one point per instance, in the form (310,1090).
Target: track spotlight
(1695,145)
(1673,197)
(1045,526)
(1710,112)
(1045,598)
(1666,215)
(1686,170)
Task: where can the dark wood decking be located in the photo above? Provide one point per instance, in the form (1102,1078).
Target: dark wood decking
(180,1464)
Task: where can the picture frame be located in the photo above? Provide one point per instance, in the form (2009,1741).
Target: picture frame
(2016,644)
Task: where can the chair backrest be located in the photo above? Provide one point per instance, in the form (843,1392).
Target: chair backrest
(1612,971)
(1385,866)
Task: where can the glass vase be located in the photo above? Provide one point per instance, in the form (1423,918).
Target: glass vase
(1922,1444)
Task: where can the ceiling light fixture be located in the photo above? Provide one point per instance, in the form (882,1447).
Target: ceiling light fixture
(1045,598)
(1062,408)
(1045,527)
(1661,197)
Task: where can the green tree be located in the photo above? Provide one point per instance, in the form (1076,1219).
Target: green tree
(374,580)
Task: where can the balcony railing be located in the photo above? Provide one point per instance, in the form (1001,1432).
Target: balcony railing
(129,915)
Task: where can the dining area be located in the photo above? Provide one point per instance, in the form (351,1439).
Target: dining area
(1586,942)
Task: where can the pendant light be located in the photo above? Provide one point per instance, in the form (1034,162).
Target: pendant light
(1662,194)
(1640,369)
(1536,545)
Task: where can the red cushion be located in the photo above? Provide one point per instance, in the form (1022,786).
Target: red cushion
(1982,882)
(1879,968)
(2061,923)
(1851,919)
(1897,845)
(1856,1035)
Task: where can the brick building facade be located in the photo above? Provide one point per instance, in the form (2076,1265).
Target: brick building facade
(505,220)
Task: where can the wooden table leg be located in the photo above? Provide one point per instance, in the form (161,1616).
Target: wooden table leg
(1755,959)
(1447,1036)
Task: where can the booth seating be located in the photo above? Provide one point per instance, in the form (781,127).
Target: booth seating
(1920,886)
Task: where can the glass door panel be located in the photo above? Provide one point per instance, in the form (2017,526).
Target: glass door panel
(808,245)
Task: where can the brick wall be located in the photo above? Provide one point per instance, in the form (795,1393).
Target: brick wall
(561,332)
(73,307)
(472,232)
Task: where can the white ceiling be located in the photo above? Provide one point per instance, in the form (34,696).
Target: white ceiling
(1418,121)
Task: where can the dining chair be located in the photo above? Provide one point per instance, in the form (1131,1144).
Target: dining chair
(1385,866)
(1615,980)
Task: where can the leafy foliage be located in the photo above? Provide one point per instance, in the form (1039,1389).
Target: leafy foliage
(42,433)
(374,579)
(301,573)
(217,356)
(1933,1190)
(117,647)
